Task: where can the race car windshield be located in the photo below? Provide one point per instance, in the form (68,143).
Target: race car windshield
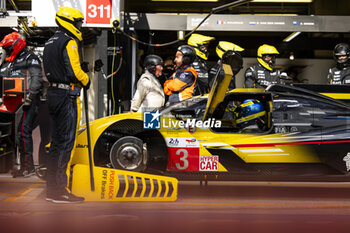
(196,103)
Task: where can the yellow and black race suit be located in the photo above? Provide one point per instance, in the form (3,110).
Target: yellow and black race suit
(181,84)
(62,68)
(259,77)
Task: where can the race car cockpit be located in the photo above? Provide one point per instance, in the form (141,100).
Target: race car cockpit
(244,113)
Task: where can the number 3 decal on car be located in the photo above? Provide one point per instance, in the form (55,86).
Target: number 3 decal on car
(183,154)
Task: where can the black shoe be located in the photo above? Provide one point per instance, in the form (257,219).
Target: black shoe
(65,198)
(17,173)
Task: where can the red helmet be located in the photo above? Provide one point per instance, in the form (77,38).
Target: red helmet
(13,43)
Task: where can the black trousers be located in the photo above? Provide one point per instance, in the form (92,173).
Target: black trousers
(64,118)
(27,123)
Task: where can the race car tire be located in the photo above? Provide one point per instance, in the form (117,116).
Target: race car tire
(128,153)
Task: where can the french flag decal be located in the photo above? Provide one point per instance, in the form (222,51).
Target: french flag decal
(219,22)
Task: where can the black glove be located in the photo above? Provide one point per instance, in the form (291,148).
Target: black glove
(88,85)
(27,102)
(84,66)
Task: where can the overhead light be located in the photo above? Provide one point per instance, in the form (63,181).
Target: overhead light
(291,56)
(290,1)
(184,0)
(291,36)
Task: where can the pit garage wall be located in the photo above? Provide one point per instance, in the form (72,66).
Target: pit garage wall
(313,70)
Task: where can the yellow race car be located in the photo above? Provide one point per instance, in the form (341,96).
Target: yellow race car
(281,133)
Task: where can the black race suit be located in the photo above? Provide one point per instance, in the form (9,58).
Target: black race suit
(259,77)
(28,66)
(202,85)
(63,70)
(339,76)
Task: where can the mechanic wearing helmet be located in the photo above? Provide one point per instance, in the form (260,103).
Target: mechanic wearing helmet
(200,44)
(341,73)
(63,70)
(222,48)
(181,84)
(250,112)
(264,73)
(149,94)
(22,63)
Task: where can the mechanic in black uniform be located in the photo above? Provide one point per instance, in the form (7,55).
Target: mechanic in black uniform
(63,70)
(22,63)
(200,44)
(264,73)
(221,48)
(341,73)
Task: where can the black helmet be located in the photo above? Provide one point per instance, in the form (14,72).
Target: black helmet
(340,50)
(189,54)
(151,61)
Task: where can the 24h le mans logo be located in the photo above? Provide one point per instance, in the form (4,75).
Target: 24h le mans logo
(151,120)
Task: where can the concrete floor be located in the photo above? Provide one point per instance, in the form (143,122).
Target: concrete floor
(218,207)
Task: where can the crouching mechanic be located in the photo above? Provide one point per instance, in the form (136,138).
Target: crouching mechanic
(264,73)
(149,94)
(181,84)
(63,70)
(22,63)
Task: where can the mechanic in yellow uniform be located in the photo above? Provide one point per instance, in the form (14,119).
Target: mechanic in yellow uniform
(181,84)
(63,70)
(200,43)
(264,73)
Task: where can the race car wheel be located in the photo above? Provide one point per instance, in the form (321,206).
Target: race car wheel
(128,153)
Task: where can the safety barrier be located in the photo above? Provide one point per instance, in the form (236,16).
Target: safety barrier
(119,185)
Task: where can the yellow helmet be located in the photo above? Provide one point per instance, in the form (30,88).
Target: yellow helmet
(197,41)
(264,50)
(68,18)
(224,46)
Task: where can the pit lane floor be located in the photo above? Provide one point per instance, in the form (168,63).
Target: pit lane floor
(218,207)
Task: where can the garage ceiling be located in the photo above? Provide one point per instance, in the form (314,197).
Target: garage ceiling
(306,45)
